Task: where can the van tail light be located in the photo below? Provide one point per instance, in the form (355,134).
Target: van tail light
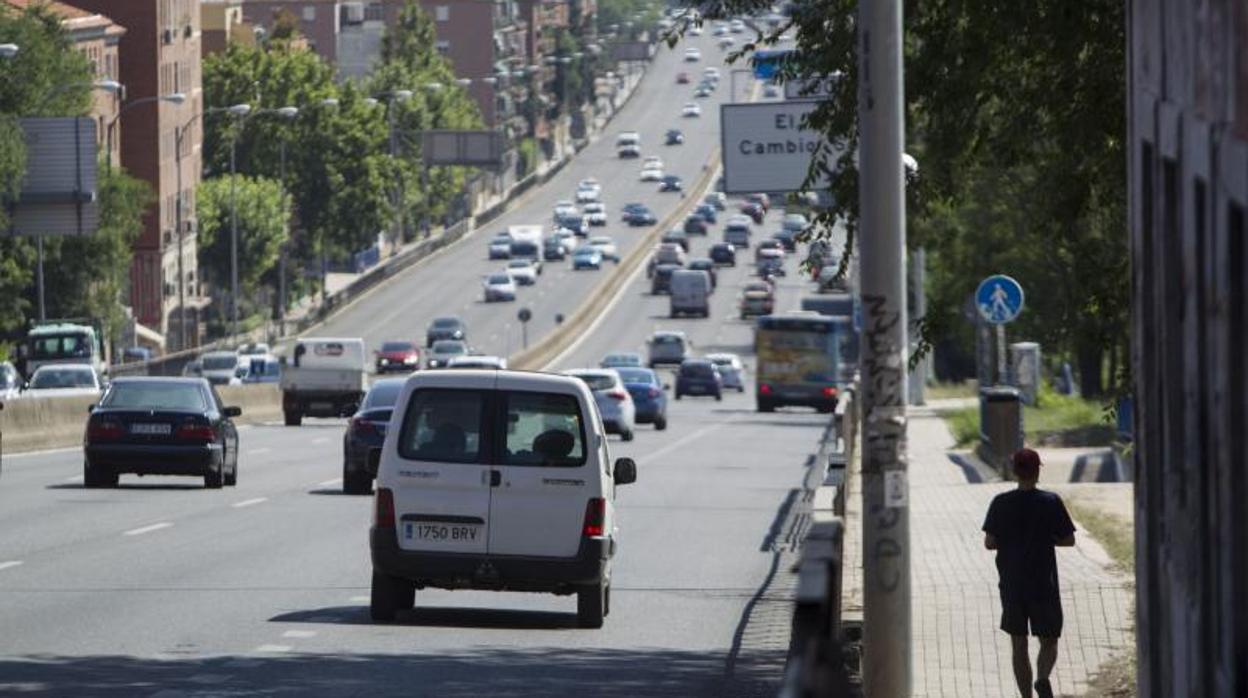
(104,430)
(364,427)
(595,518)
(764,389)
(195,432)
(618,395)
(829,392)
(383,512)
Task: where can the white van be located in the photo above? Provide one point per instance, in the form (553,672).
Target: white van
(495,480)
(691,293)
(323,377)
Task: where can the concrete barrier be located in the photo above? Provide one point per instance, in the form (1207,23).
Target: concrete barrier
(39,423)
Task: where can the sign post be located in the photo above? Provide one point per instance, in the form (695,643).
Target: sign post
(999,300)
(524,316)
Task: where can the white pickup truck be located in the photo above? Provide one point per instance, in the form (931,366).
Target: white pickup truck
(322,377)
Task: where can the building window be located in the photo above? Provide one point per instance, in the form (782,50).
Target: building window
(309,13)
(443,46)
(374,12)
(442,13)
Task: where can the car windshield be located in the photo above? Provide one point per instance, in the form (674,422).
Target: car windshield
(47,378)
(499,280)
(219,362)
(622,360)
(449,346)
(667,339)
(638,376)
(446,323)
(383,394)
(586,252)
(701,264)
(396,346)
(144,395)
(598,381)
(518,264)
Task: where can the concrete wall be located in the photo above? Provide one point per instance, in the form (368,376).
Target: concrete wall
(1188,152)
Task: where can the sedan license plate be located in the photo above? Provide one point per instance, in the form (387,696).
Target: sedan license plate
(151,429)
(434,532)
(322,406)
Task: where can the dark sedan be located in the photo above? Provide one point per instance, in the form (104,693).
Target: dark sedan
(755,211)
(649,395)
(639,215)
(724,253)
(699,377)
(674,137)
(366,431)
(708,213)
(579,225)
(445,328)
(695,225)
(661,282)
(671,183)
(161,426)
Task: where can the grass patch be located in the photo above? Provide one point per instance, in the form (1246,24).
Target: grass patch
(1059,420)
(949,391)
(1114,679)
(1114,534)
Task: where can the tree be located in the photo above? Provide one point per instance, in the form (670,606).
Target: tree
(1015,114)
(263,214)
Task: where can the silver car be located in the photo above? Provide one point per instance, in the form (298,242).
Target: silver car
(444,350)
(730,369)
(668,347)
(615,404)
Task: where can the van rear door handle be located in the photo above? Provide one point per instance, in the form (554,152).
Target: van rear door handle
(496,478)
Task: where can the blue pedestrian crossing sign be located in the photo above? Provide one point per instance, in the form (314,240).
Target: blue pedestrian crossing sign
(999,299)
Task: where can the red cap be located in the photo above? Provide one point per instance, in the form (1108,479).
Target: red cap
(1027,463)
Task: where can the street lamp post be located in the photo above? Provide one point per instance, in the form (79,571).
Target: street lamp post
(175,98)
(239,112)
(289,114)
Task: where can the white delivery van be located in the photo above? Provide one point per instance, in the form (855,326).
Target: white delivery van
(495,480)
(526,243)
(322,377)
(691,293)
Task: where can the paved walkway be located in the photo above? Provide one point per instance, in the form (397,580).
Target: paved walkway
(958,649)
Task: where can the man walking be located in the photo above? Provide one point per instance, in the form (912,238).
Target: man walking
(1024,526)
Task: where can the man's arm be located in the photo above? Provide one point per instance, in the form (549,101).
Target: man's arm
(1064,528)
(991,543)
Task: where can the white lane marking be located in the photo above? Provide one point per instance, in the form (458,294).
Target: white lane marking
(330,483)
(681,442)
(273,648)
(76,478)
(148,529)
(258,451)
(359,599)
(10,563)
(249,502)
(320,440)
(299,634)
(46,452)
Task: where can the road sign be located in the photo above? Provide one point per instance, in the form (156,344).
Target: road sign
(767,62)
(59,190)
(814,89)
(524,315)
(469,148)
(999,299)
(764,147)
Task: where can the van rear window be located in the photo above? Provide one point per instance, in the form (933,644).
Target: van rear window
(544,430)
(443,425)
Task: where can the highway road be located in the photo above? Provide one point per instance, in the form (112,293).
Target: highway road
(163,588)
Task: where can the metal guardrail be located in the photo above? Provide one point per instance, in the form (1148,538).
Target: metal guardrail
(816,664)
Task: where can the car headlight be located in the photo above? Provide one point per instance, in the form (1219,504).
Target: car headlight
(384,362)
(410,360)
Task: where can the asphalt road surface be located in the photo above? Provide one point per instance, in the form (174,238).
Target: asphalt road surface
(163,588)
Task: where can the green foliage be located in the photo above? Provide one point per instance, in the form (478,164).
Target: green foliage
(528,155)
(263,214)
(89,276)
(620,12)
(1015,115)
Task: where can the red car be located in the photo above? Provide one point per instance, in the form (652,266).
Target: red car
(403,357)
(682,78)
(755,212)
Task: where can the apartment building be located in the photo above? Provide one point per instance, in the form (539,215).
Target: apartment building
(222,23)
(159,54)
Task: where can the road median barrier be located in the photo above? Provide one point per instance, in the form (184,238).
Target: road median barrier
(548,348)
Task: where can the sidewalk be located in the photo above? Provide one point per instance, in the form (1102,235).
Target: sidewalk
(958,649)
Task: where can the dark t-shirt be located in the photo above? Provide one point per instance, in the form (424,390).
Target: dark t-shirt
(1026,524)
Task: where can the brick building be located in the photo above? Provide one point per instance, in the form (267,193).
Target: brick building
(1188,153)
(222,24)
(160,55)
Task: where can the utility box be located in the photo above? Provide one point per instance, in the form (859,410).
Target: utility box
(1000,427)
(1025,370)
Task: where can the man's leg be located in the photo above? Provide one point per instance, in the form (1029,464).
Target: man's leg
(1022,664)
(1044,665)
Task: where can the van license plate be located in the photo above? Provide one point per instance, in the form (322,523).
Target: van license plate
(152,429)
(441,533)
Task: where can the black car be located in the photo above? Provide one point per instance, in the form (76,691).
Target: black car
(707,265)
(449,327)
(661,282)
(671,183)
(639,215)
(724,253)
(708,213)
(161,426)
(699,377)
(553,250)
(366,431)
(674,137)
(695,225)
(678,237)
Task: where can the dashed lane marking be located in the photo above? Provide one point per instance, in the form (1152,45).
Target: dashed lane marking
(258,451)
(76,478)
(320,440)
(148,529)
(330,483)
(299,634)
(249,502)
(10,564)
(272,649)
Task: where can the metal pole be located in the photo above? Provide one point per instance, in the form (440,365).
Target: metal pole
(885,492)
(233,239)
(179,133)
(1003,376)
(398,181)
(281,263)
(43,309)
